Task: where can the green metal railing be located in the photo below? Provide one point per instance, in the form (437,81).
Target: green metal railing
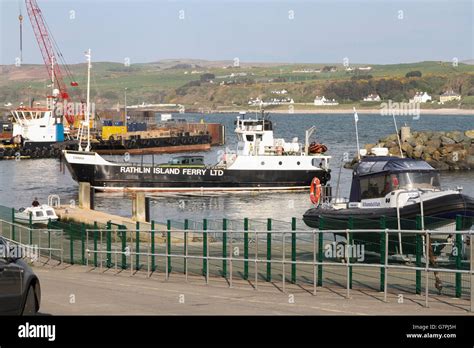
(226,248)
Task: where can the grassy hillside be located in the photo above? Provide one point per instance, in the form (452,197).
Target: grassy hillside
(177,81)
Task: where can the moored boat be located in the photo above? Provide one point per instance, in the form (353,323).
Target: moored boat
(36,215)
(395,193)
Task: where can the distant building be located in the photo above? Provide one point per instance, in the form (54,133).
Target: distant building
(449,96)
(365,68)
(272,101)
(372,97)
(283,91)
(323,101)
(306,71)
(420,97)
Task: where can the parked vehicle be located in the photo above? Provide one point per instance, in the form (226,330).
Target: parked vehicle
(20,291)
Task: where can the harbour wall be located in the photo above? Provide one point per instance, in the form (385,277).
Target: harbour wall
(443,150)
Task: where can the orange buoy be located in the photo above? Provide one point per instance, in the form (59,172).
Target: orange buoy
(315,191)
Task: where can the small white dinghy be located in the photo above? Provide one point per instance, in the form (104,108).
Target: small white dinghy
(39,215)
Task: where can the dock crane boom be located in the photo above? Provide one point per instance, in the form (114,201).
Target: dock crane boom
(50,52)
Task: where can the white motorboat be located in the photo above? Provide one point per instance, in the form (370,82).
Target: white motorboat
(39,215)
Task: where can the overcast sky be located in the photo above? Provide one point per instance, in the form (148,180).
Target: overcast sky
(370,31)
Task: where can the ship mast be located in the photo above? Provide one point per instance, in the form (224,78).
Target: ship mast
(86,122)
(88,105)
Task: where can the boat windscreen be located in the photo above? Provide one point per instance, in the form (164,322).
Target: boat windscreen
(418,180)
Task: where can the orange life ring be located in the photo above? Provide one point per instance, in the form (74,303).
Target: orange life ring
(315,191)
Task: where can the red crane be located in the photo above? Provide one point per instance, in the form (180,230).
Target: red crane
(50,52)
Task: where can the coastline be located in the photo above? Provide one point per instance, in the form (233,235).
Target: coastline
(440,112)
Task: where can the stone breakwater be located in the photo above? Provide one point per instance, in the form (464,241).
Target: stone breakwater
(450,150)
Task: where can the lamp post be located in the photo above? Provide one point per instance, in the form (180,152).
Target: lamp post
(125,108)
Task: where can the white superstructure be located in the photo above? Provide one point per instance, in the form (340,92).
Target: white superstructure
(257,149)
(37,125)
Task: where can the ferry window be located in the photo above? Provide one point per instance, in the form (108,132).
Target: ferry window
(49,212)
(263,163)
(298,163)
(249,137)
(280,163)
(39,214)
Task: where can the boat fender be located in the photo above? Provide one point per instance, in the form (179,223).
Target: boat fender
(315,191)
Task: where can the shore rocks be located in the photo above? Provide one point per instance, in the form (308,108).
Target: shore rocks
(450,150)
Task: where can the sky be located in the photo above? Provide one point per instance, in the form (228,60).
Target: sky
(363,31)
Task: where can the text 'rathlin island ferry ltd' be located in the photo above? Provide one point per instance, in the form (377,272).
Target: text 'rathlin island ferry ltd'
(260,163)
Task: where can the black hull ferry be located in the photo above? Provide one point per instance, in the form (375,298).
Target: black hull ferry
(260,163)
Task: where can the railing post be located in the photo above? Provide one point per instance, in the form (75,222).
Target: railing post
(123,237)
(49,238)
(383,226)
(30,226)
(71,247)
(246,248)
(137,245)
(83,243)
(186,227)
(152,241)
(204,247)
(95,242)
(269,250)
(109,244)
(459,255)
(13,224)
(419,252)
(350,248)
(320,251)
(224,248)
(293,250)
(168,241)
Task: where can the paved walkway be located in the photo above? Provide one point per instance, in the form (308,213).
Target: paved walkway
(71,290)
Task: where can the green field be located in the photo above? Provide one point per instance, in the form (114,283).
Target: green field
(174,82)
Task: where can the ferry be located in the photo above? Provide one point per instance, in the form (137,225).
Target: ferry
(261,162)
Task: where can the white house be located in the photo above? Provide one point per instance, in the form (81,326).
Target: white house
(323,101)
(420,97)
(449,96)
(372,97)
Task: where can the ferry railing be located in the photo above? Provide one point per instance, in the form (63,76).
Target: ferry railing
(46,241)
(191,246)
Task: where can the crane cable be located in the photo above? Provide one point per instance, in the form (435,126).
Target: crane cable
(59,53)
